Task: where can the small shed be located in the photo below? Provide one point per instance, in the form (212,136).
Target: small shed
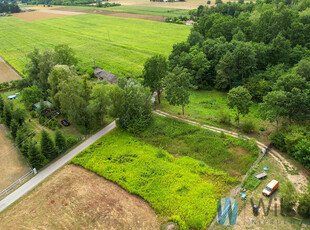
(47,104)
(190,22)
(12,97)
(102,74)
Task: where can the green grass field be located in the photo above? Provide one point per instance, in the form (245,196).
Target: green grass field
(144,10)
(231,155)
(118,45)
(181,189)
(207,107)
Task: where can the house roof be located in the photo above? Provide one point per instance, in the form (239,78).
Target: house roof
(102,74)
(190,21)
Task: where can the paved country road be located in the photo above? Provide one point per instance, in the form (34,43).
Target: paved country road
(34,181)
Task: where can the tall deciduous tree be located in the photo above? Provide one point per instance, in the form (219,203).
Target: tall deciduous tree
(59,73)
(240,99)
(48,148)
(136,110)
(72,101)
(99,102)
(117,96)
(155,69)
(65,55)
(32,95)
(272,109)
(178,87)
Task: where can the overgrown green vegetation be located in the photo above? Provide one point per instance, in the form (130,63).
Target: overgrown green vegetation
(180,189)
(118,45)
(263,49)
(211,107)
(229,154)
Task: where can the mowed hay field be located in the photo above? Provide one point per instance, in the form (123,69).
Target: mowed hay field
(118,45)
(7,73)
(74,198)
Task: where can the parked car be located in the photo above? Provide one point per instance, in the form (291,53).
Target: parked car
(65,123)
(270,188)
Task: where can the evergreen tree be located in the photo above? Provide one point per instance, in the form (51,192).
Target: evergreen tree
(60,141)
(1,105)
(7,114)
(48,148)
(14,127)
(36,159)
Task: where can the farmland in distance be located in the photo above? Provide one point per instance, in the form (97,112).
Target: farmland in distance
(119,45)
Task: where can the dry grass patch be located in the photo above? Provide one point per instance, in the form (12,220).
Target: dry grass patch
(7,73)
(74,198)
(12,163)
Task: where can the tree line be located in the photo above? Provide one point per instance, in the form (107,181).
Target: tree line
(258,52)
(9,8)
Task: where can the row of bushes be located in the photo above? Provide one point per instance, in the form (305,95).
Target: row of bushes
(9,85)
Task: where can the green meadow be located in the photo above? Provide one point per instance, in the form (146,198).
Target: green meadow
(221,152)
(182,189)
(144,10)
(209,107)
(118,45)
(180,169)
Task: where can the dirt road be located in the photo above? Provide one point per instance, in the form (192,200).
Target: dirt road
(299,181)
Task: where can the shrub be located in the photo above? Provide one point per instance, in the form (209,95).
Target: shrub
(248,126)
(33,114)
(71,141)
(277,137)
(209,2)
(224,117)
(304,204)
(42,120)
(289,196)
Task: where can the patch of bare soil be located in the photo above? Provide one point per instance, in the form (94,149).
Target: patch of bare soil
(188,4)
(75,198)
(116,14)
(43,13)
(7,73)
(12,163)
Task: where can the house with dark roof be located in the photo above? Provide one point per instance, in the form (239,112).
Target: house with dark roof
(102,74)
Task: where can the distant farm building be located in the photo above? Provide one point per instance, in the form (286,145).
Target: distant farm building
(190,22)
(101,75)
